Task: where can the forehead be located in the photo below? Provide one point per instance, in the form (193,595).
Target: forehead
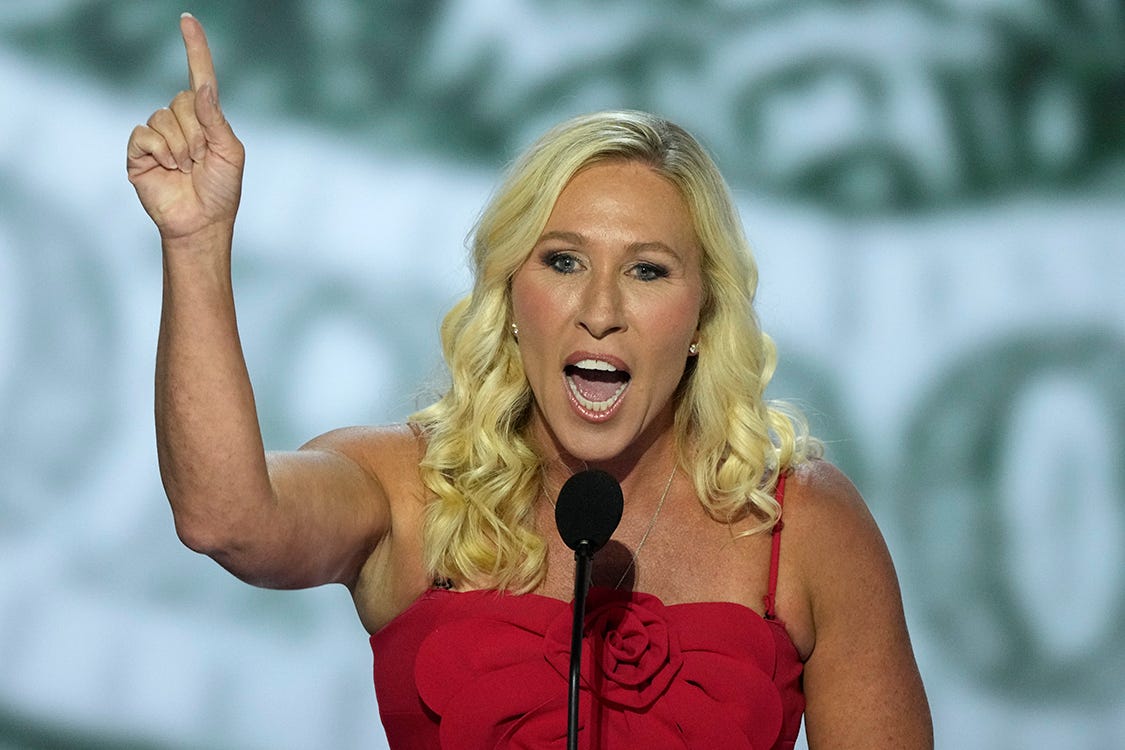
(628,196)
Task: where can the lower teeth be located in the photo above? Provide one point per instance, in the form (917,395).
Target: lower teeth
(595,405)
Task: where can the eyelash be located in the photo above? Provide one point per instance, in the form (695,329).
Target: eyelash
(644,271)
(649,271)
(553,259)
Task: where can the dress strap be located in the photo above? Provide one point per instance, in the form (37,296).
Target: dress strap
(775,553)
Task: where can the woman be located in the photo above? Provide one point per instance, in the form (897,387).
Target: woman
(610,326)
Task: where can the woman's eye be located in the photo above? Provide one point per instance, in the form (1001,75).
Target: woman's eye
(649,272)
(562,262)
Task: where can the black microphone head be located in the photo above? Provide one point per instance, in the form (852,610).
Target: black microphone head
(589,509)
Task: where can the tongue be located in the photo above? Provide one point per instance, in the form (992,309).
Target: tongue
(596,385)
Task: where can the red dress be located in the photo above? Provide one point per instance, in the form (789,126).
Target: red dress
(485,669)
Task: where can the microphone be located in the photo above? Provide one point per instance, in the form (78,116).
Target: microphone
(588,510)
(587,513)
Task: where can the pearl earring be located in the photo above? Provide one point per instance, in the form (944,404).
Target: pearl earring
(515,331)
(693,349)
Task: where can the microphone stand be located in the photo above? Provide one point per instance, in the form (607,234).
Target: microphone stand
(583,559)
(588,511)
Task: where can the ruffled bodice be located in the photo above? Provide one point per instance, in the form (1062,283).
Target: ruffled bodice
(484,669)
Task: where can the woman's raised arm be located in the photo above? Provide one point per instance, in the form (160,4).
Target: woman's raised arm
(297,519)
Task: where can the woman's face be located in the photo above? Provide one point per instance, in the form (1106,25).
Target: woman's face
(607,304)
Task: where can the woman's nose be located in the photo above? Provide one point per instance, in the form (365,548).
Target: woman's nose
(602,310)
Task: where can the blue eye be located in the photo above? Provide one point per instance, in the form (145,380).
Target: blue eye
(562,262)
(649,271)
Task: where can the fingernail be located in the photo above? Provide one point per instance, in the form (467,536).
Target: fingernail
(185,14)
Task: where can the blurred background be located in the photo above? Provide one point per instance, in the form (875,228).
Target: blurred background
(936,194)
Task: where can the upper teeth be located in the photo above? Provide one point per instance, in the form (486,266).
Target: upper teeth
(595,364)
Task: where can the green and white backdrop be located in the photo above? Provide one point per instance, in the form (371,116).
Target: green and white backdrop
(936,193)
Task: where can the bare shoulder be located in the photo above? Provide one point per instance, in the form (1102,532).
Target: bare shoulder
(820,492)
(389,453)
(861,678)
(364,439)
(828,523)
(834,542)
(828,532)
(392,574)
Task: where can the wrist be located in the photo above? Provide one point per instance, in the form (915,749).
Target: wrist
(210,241)
(207,250)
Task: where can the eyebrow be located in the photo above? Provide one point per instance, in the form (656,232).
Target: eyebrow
(572,237)
(575,238)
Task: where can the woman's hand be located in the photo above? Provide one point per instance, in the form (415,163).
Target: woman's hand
(185,162)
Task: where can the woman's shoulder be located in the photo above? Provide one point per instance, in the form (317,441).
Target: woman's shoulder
(827,520)
(848,618)
(372,446)
(391,575)
(834,550)
(821,499)
(390,454)
(398,432)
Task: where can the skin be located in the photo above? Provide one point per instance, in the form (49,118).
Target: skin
(347,507)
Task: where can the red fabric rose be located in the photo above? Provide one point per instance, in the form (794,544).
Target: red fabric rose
(629,654)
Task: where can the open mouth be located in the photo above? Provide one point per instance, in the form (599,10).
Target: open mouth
(596,385)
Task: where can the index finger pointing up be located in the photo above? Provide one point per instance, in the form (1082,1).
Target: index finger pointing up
(201,69)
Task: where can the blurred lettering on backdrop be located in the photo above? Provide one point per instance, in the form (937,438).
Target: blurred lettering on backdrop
(935,194)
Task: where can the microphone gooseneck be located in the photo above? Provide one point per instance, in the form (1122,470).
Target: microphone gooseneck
(587,513)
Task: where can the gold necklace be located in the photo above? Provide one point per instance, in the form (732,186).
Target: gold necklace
(648,530)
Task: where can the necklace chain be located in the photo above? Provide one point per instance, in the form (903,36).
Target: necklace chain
(648,530)
(651,524)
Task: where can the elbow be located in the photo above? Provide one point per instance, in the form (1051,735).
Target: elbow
(216,535)
(215,523)
(239,553)
(201,537)
(232,554)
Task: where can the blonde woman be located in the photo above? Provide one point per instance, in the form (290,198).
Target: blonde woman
(610,326)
